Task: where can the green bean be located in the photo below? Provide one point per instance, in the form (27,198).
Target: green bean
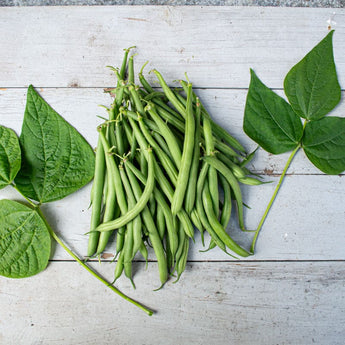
(128,251)
(168,191)
(162,144)
(217,143)
(187,156)
(133,212)
(226,172)
(120,238)
(169,256)
(251,181)
(217,227)
(137,102)
(114,172)
(131,70)
(236,169)
(171,226)
(150,225)
(135,116)
(163,157)
(181,263)
(211,245)
(139,137)
(143,81)
(110,132)
(119,267)
(124,62)
(111,211)
(152,204)
(218,130)
(162,181)
(167,134)
(170,118)
(143,163)
(227,206)
(158,101)
(119,138)
(154,94)
(224,135)
(119,92)
(196,220)
(144,252)
(181,239)
(227,150)
(96,198)
(181,99)
(160,220)
(170,95)
(200,208)
(248,158)
(212,172)
(136,223)
(129,134)
(191,188)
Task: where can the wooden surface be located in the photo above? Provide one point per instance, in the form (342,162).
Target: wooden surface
(291,291)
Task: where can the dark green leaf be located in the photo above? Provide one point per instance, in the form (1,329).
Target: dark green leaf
(269,120)
(24,241)
(56,159)
(312,85)
(324,144)
(10,157)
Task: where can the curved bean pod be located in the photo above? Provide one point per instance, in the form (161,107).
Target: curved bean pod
(96,198)
(187,156)
(217,227)
(171,226)
(192,180)
(226,172)
(167,134)
(132,213)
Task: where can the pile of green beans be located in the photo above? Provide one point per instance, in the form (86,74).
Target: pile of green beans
(163,169)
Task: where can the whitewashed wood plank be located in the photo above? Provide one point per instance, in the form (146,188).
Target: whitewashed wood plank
(289,229)
(306,222)
(213,303)
(79,106)
(66,46)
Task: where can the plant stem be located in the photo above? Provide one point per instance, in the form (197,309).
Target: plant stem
(75,257)
(293,153)
(27,199)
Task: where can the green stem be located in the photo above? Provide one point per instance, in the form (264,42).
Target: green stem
(27,199)
(252,248)
(111,287)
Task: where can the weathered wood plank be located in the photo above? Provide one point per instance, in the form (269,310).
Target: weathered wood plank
(213,303)
(79,106)
(305,223)
(309,209)
(60,46)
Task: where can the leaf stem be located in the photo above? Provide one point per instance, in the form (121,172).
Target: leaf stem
(293,153)
(75,257)
(26,198)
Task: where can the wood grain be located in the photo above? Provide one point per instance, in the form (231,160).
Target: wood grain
(291,291)
(305,223)
(213,303)
(79,106)
(59,46)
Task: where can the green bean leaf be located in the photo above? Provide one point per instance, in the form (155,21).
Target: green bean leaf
(324,144)
(312,85)
(24,241)
(56,159)
(10,157)
(269,120)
